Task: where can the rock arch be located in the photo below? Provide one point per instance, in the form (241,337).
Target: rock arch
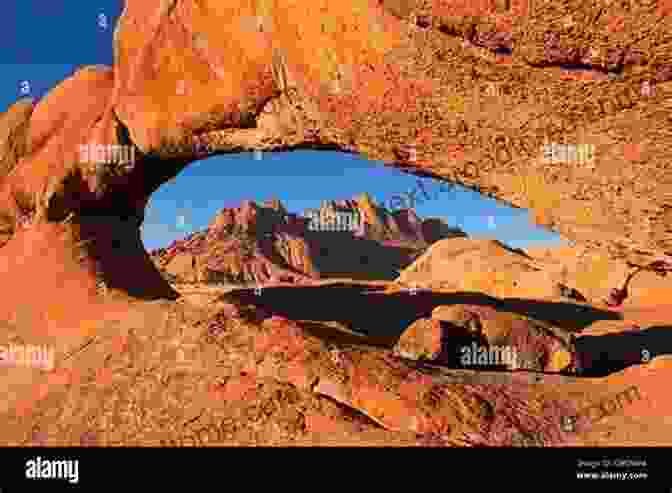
(399,81)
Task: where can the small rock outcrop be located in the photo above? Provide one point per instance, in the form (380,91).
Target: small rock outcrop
(424,339)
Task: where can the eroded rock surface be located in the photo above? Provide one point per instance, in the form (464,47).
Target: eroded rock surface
(595,275)
(224,380)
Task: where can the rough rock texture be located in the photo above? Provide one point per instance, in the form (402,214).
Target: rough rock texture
(13,145)
(594,275)
(423,339)
(457,315)
(260,244)
(174,374)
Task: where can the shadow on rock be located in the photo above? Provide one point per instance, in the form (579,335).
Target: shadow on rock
(610,353)
(384,316)
(570,316)
(340,254)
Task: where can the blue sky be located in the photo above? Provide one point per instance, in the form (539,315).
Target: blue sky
(46,42)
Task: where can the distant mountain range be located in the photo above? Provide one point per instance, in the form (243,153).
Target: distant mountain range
(264,243)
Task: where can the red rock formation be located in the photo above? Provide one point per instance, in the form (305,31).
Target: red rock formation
(244,244)
(265,244)
(397,227)
(613,281)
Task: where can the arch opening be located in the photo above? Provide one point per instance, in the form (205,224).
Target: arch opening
(269,200)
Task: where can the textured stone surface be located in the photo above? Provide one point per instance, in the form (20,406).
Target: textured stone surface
(595,275)
(401,226)
(457,315)
(244,244)
(14,124)
(178,375)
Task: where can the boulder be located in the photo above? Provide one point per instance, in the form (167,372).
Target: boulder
(424,339)
(537,345)
(458,315)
